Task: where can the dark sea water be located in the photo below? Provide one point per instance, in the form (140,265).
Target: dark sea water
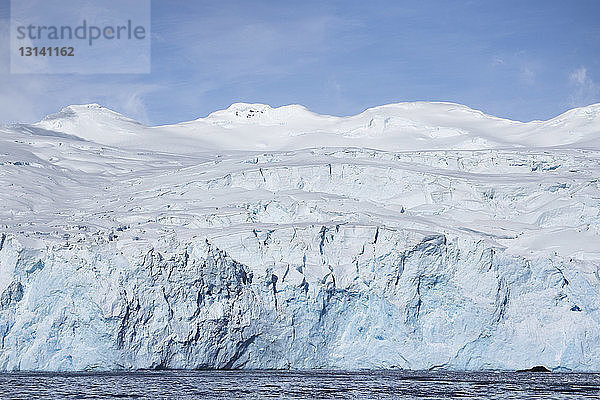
(299,385)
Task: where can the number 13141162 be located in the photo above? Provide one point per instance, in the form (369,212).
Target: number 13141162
(47,51)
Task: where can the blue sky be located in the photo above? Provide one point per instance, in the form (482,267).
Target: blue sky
(516,59)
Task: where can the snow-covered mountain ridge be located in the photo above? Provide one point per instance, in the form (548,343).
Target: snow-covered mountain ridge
(417,235)
(395,127)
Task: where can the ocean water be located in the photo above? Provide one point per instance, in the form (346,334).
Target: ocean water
(299,385)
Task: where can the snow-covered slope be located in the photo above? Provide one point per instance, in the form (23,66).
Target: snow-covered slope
(417,235)
(395,127)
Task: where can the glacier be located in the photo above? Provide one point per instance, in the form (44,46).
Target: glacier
(414,235)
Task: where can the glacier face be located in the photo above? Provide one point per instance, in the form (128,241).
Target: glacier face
(119,256)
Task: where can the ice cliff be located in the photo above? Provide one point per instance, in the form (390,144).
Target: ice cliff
(419,235)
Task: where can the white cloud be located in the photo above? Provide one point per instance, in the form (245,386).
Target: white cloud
(579,76)
(520,65)
(584,90)
(527,75)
